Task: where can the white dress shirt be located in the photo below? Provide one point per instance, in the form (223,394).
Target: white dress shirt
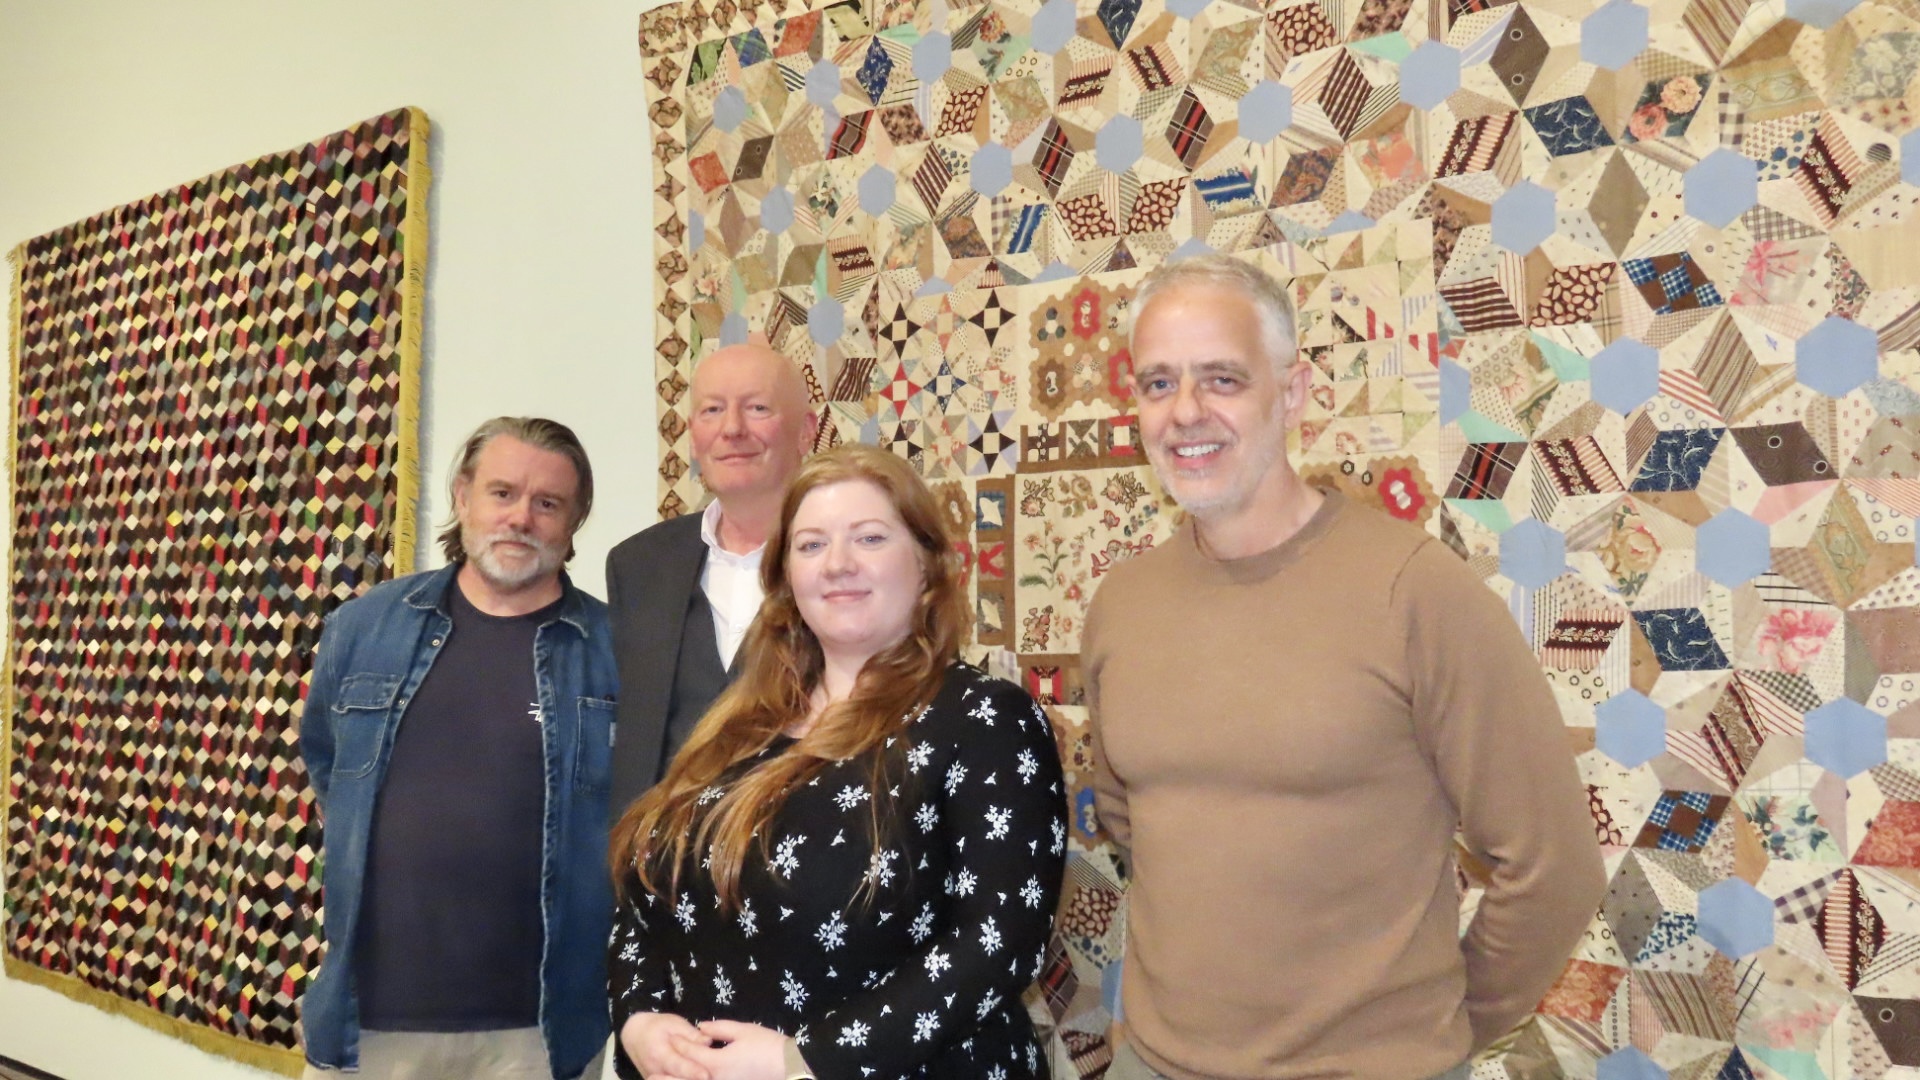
(732,585)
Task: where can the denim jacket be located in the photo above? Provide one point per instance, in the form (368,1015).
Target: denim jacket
(373,656)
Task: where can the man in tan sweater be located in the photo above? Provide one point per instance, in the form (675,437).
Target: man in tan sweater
(1295,701)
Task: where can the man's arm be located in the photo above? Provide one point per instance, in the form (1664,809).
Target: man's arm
(1109,794)
(1489,721)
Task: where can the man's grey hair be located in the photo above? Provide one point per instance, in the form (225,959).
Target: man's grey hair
(1278,325)
(537,432)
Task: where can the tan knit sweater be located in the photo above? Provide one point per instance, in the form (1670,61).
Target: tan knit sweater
(1286,743)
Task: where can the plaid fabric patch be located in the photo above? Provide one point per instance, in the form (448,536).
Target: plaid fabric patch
(1671,283)
(1053,157)
(1188,130)
(1682,821)
(850,136)
(1486,470)
(1795,690)
(1802,904)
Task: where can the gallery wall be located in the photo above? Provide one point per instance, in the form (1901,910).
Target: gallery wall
(539,280)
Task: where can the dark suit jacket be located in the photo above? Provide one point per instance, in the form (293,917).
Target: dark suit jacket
(650,580)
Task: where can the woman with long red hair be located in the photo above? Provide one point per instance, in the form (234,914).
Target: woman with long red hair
(850,869)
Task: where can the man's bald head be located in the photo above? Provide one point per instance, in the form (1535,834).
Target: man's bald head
(760,363)
(751,424)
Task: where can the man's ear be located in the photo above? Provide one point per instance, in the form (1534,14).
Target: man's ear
(812,429)
(1298,389)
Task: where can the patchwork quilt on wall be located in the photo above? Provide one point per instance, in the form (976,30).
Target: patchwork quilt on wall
(215,414)
(1621,301)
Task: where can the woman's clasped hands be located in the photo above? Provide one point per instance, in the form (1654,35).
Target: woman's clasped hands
(669,1047)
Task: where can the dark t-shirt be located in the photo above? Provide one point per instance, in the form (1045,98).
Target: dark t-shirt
(450,930)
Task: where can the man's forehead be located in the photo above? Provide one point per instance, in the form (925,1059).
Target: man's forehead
(742,370)
(505,459)
(1189,360)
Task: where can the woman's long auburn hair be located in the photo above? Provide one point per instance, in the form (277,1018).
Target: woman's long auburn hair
(783,665)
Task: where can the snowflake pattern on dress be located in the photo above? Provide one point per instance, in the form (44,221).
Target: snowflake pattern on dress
(973,812)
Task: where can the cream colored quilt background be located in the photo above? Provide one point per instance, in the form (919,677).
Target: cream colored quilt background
(1620,301)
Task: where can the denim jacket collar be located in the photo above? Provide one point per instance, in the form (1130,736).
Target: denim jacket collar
(431,595)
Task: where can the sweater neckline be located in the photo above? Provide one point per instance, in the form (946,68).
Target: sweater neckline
(1264,564)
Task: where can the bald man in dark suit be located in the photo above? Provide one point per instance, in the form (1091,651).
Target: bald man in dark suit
(683,592)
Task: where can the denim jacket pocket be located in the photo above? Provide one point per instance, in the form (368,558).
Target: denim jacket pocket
(594,765)
(360,721)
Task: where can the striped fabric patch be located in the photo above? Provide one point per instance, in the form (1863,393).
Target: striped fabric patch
(1684,1004)
(1714,23)
(851,257)
(930,180)
(1345,94)
(786,312)
(1725,366)
(1726,744)
(1684,387)
(1026,223)
(1851,931)
(1577,466)
(1481,306)
(1154,67)
(1903,332)
(1085,81)
(1579,639)
(1641,434)
(1827,171)
(854,378)
(1229,187)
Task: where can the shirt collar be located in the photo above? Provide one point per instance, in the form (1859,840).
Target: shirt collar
(710,535)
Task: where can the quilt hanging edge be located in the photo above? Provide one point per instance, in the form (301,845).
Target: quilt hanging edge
(16,271)
(406,526)
(232,1047)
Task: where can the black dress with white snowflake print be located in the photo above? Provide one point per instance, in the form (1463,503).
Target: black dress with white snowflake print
(921,976)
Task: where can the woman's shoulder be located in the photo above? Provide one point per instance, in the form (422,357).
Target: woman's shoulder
(971,699)
(966,683)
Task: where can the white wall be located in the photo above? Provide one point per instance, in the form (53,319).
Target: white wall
(539,295)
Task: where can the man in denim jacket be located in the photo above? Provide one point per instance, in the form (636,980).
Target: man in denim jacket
(467,897)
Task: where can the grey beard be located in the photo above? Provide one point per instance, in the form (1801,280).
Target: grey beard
(546,560)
